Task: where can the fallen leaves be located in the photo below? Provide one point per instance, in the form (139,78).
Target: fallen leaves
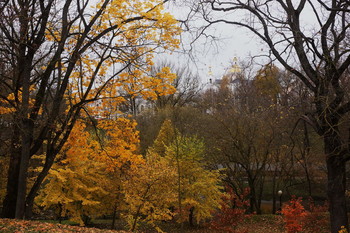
(22,226)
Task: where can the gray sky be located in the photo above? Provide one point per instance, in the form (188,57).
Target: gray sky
(231,42)
(216,53)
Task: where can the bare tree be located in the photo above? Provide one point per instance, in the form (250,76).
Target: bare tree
(187,86)
(315,36)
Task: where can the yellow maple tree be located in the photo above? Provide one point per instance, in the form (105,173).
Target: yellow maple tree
(149,192)
(83,182)
(197,188)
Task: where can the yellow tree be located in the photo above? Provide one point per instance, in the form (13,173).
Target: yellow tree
(165,137)
(267,82)
(85,179)
(149,192)
(63,56)
(197,187)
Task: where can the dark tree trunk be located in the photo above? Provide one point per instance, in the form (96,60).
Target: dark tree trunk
(24,62)
(114,216)
(60,210)
(191,216)
(253,203)
(336,182)
(36,186)
(274,192)
(258,202)
(26,135)
(9,203)
(23,169)
(10,199)
(305,154)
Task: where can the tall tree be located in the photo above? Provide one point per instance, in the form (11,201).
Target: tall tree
(310,39)
(149,191)
(187,86)
(61,57)
(197,187)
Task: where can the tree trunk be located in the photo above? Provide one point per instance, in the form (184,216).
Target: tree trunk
(253,205)
(191,216)
(60,210)
(258,202)
(136,216)
(23,169)
(10,199)
(9,203)
(114,216)
(274,192)
(305,154)
(336,182)
(50,157)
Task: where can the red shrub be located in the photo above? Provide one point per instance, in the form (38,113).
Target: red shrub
(297,219)
(293,215)
(232,212)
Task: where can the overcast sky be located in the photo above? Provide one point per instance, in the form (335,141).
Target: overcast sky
(218,54)
(232,42)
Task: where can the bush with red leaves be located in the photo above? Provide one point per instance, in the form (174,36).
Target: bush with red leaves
(232,212)
(297,219)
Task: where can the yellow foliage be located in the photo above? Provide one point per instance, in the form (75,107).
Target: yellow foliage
(4,162)
(195,186)
(165,137)
(83,180)
(198,188)
(128,33)
(266,81)
(149,191)
(14,100)
(139,29)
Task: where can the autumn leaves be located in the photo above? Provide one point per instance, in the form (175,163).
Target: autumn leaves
(75,62)
(100,167)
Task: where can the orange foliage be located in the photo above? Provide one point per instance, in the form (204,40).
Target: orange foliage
(20,226)
(297,219)
(86,178)
(232,212)
(293,215)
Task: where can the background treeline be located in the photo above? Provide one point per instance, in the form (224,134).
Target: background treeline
(252,126)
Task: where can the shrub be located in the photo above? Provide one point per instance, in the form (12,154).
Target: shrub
(293,215)
(297,219)
(232,212)
(316,219)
